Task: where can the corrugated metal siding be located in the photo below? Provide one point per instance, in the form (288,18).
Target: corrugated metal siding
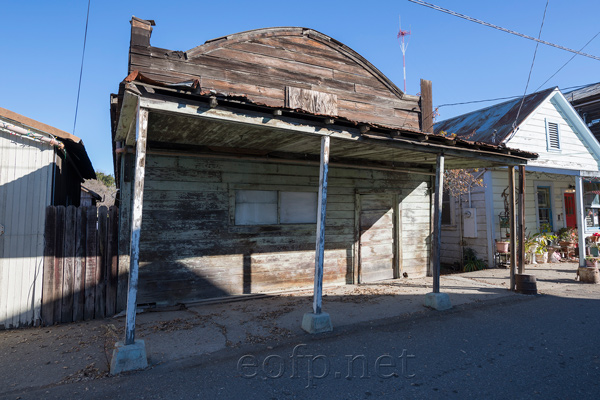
(25,191)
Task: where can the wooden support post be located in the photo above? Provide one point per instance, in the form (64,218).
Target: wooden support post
(321,213)
(136,222)
(426,106)
(580,219)
(513,223)
(436,242)
(521,224)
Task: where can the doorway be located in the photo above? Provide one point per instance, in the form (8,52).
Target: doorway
(570,217)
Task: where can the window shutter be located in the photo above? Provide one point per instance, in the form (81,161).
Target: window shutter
(553,139)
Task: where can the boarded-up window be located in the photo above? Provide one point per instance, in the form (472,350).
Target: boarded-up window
(298,208)
(553,135)
(270,207)
(255,207)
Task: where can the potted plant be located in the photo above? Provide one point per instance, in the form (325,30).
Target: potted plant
(544,240)
(567,237)
(591,262)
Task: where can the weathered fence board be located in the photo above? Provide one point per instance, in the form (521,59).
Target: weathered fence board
(81,272)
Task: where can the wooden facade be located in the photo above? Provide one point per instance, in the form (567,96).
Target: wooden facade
(229,159)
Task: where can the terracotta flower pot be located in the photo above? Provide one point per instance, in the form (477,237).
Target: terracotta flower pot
(502,247)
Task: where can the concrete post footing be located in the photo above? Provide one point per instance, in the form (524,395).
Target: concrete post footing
(438,301)
(317,323)
(128,357)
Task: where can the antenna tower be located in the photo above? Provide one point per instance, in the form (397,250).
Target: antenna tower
(403,46)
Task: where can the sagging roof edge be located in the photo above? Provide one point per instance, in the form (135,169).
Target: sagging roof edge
(73,145)
(136,81)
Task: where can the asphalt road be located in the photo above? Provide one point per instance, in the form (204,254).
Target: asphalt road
(544,347)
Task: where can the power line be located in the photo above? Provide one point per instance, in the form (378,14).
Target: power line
(438,8)
(570,59)
(87,18)
(530,69)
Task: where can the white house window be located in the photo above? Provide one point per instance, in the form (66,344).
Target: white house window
(591,203)
(447,210)
(271,207)
(552,135)
(544,207)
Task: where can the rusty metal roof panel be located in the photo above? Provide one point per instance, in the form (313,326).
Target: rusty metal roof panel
(586,92)
(492,125)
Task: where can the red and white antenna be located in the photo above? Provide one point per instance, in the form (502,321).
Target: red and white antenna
(403,46)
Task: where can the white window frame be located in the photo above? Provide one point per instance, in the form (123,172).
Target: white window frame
(549,184)
(548,148)
(452,203)
(233,205)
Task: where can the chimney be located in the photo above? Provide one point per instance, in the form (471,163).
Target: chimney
(141,30)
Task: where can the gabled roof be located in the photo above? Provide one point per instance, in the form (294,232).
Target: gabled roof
(494,124)
(575,96)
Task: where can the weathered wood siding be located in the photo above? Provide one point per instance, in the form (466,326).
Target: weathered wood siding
(25,191)
(531,136)
(191,248)
(260,65)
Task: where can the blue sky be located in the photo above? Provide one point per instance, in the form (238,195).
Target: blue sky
(42,42)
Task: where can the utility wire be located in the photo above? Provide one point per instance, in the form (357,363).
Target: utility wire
(438,8)
(570,59)
(530,69)
(87,18)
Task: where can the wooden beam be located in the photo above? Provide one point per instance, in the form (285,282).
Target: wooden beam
(521,224)
(202,110)
(321,214)
(426,106)
(513,223)
(136,222)
(580,219)
(436,242)
(126,116)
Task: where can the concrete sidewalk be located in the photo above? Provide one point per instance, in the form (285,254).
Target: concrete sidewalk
(75,352)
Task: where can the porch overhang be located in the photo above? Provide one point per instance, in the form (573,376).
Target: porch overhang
(207,124)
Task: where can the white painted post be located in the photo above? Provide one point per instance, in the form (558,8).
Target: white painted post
(580,219)
(436,242)
(136,222)
(513,222)
(321,213)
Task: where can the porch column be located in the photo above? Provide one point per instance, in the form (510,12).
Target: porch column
(513,223)
(580,219)
(437,300)
(131,354)
(521,223)
(318,321)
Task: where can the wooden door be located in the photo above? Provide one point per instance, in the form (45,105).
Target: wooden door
(376,230)
(570,217)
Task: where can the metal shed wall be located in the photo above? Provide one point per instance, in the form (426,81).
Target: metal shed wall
(25,191)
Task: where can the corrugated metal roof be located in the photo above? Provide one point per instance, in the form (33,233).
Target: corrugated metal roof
(583,93)
(493,124)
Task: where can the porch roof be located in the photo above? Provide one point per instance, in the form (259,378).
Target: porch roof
(181,119)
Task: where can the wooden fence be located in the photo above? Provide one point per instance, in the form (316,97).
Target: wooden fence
(80,264)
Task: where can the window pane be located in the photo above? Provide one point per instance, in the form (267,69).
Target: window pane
(255,207)
(298,208)
(591,196)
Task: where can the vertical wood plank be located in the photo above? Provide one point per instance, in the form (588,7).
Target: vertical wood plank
(48,297)
(356,264)
(397,272)
(112,261)
(69,265)
(321,216)
(426,106)
(513,222)
(79,272)
(90,263)
(136,223)
(436,243)
(101,267)
(521,224)
(125,189)
(58,262)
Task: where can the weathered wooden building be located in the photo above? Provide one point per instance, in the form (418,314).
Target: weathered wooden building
(39,166)
(218,148)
